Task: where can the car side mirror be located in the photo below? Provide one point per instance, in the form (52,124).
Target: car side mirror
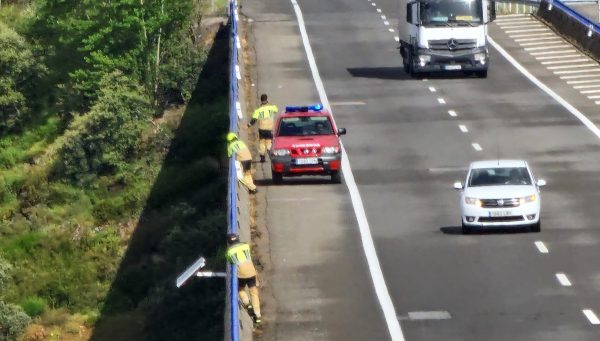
(458,185)
(342,131)
(541,182)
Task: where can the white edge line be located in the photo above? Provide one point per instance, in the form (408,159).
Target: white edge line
(586,121)
(541,246)
(563,279)
(381,289)
(589,313)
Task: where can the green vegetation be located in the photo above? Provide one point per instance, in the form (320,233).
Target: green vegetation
(112,177)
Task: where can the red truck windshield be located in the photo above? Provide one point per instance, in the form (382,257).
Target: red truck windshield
(305,126)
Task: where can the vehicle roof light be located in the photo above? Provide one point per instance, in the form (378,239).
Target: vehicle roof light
(316,107)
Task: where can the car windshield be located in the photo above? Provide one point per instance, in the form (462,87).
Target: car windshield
(305,126)
(499,176)
(446,12)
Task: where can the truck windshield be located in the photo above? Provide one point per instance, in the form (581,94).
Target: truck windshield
(451,12)
(305,126)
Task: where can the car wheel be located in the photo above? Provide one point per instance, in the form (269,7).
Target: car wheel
(277,178)
(466,229)
(537,227)
(336,177)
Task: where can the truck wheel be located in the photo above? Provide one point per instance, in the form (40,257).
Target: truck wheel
(336,177)
(482,74)
(277,178)
(406,65)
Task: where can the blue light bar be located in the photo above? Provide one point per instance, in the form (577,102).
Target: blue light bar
(316,107)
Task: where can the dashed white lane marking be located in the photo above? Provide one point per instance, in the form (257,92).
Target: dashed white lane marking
(476,146)
(554,62)
(441,100)
(383,17)
(348,103)
(584,81)
(391,30)
(558,57)
(536,39)
(386,23)
(566,72)
(586,121)
(532,35)
(578,76)
(452,113)
(397,39)
(426,315)
(541,246)
(381,290)
(432,89)
(563,279)
(373,4)
(589,86)
(528,30)
(379,10)
(463,128)
(589,313)
(562,52)
(577,66)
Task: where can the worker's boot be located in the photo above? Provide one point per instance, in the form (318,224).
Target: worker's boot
(262,159)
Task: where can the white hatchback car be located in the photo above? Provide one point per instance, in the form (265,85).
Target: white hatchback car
(500,193)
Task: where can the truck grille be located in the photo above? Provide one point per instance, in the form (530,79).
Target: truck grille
(452,44)
(500,219)
(512,202)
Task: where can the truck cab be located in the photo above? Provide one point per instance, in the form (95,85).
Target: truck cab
(445,35)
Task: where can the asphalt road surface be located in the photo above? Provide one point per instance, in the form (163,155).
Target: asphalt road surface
(408,140)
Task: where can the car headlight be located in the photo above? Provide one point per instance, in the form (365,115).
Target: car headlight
(472,201)
(480,57)
(330,150)
(529,198)
(424,59)
(281,152)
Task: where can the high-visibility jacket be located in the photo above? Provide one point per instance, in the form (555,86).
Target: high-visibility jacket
(242,153)
(239,255)
(265,115)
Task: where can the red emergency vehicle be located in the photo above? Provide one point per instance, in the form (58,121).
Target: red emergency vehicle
(306,142)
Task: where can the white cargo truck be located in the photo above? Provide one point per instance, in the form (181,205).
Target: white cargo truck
(445,35)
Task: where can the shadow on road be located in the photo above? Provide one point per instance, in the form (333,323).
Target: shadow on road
(397,73)
(457,230)
(184,217)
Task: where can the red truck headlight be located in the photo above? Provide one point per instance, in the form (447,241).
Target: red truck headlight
(330,150)
(281,152)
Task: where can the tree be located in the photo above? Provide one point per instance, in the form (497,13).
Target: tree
(13,321)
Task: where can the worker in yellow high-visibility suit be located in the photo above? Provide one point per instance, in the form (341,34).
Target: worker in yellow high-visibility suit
(238,254)
(265,115)
(242,154)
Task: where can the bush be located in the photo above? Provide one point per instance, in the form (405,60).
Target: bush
(13,321)
(34,306)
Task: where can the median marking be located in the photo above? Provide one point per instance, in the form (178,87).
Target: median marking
(381,290)
(563,279)
(476,146)
(577,66)
(578,76)
(541,246)
(588,86)
(584,81)
(576,71)
(563,52)
(565,61)
(589,313)
(531,35)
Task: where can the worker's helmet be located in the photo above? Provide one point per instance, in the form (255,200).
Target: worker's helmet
(263,98)
(232,238)
(231,137)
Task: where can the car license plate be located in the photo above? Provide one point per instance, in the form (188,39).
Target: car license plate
(500,213)
(307,161)
(452,67)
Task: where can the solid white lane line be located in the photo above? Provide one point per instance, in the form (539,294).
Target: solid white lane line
(586,121)
(381,290)
(589,313)
(563,279)
(476,146)
(397,39)
(589,86)
(578,76)
(566,61)
(463,128)
(441,100)
(562,56)
(452,113)
(577,66)
(536,39)
(566,72)
(379,10)
(514,36)
(432,89)
(568,51)
(529,30)
(584,81)
(386,23)
(541,246)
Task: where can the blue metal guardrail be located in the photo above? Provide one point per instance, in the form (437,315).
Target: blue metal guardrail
(575,15)
(232,195)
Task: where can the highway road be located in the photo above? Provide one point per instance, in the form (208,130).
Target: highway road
(408,140)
